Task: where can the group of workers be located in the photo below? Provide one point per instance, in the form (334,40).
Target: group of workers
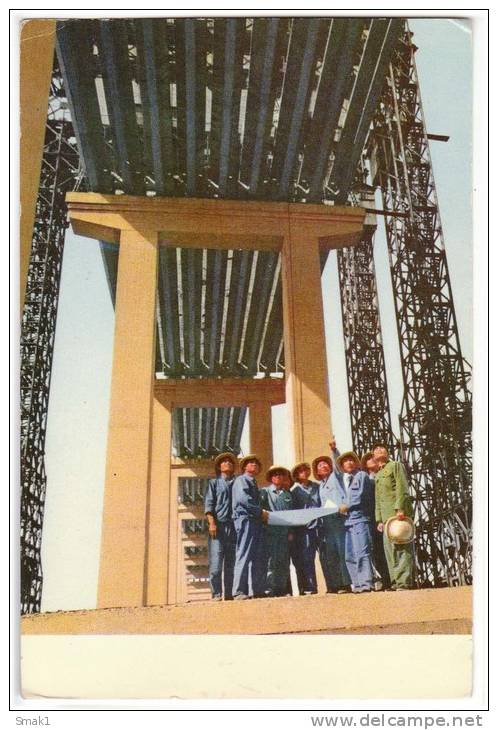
(250,558)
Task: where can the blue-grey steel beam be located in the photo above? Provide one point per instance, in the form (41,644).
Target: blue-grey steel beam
(113,52)
(110,255)
(179,73)
(259,108)
(215,291)
(178,434)
(190,104)
(382,37)
(195,440)
(223,426)
(169,306)
(206,430)
(227,85)
(264,277)
(273,342)
(233,76)
(74,46)
(152,51)
(335,78)
(195,103)
(393,35)
(301,62)
(240,417)
(236,303)
(191,286)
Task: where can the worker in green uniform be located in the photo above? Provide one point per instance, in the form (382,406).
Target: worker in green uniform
(393,500)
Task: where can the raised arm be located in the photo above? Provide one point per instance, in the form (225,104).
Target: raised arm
(335,454)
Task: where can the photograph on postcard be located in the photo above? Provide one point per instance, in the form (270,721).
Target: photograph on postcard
(254,416)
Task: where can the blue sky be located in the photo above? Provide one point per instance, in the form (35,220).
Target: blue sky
(79,399)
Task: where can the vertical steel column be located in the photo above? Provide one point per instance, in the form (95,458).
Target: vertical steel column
(435,421)
(366,372)
(60,172)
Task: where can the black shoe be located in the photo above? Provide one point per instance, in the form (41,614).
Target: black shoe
(344,589)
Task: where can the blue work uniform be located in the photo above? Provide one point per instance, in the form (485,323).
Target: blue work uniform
(277,549)
(307,538)
(221,549)
(358,524)
(248,577)
(333,534)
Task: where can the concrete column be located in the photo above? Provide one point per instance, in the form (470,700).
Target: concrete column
(306,377)
(159,506)
(260,435)
(37,58)
(122,577)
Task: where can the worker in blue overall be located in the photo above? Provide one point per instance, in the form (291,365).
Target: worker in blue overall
(287,485)
(383,580)
(248,519)
(305,495)
(357,510)
(274,498)
(333,530)
(221,541)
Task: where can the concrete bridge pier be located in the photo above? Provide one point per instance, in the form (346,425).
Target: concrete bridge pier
(140,561)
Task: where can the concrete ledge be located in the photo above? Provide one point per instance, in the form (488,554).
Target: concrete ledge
(428,611)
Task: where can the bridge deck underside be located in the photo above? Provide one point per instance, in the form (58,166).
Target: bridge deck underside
(242,108)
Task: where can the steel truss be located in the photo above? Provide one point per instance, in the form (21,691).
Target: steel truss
(435,420)
(365,367)
(60,173)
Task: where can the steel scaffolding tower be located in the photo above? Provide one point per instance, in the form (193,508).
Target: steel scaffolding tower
(435,420)
(60,172)
(365,367)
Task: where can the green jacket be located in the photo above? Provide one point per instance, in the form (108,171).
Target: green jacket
(391,492)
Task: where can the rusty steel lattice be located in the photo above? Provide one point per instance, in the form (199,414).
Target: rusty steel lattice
(60,172)
(435,420)
(365,367)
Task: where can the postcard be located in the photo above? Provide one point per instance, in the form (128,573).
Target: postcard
(246,357)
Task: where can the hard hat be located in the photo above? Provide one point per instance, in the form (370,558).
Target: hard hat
(400,532)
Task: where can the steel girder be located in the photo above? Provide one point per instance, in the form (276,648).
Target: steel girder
(436,417)
(225,107)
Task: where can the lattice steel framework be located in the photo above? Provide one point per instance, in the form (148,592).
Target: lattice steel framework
(365,367)
(435,420)
(60,172)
